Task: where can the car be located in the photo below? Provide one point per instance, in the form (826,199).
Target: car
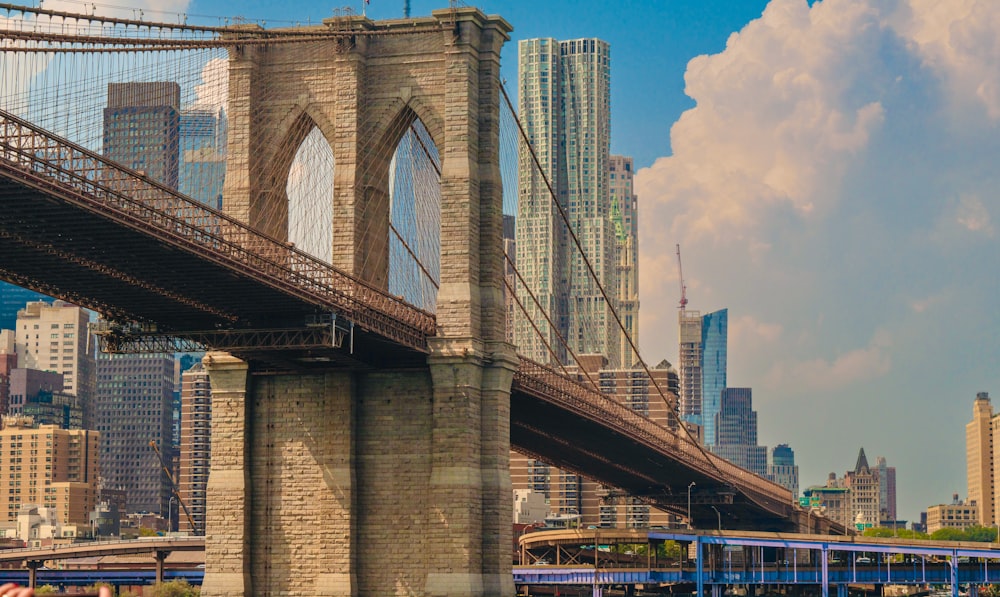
(863,560)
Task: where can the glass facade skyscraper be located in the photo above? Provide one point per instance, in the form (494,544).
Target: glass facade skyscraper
(736,425)
(203,155)
(703,353)
(714,343)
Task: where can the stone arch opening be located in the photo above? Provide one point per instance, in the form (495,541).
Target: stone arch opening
(309,190)
(415,216)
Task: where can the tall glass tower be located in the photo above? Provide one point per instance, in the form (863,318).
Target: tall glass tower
(564,91)
(714,342)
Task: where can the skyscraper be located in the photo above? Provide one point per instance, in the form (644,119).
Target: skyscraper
(57,338)
(783,469)
(703,362)
(886,488)
(979,457)
(141,128)
(134,395)
(564,106)
(714,342)
(196,444)
(203,157)
(736,431)
(625,216)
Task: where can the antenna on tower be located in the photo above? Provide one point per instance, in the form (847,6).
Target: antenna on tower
(680,272)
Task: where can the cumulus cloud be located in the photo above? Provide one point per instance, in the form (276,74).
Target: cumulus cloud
(213,92)
(836,373)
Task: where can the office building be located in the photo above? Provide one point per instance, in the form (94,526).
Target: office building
(783,470)
(886,488)
(57,338)
(832,501)
(564,106)
(48,467)
(703,361)
(142,128)
(195,447)
(625,217)
(979,458)
(956,515)
(134,395)
(39,395)
(12,299)
(203,155)
(865,493)
(736,431)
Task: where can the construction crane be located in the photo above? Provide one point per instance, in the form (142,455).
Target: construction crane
(173,487)
(680,272)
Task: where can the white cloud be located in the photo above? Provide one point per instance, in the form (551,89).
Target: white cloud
(971,214)
(213,92)
(842,371)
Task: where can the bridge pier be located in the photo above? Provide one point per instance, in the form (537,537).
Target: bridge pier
(33,566)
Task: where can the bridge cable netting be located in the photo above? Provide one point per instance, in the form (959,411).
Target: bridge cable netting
(157,97)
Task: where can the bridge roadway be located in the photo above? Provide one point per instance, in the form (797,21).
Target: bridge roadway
(566,558)
(76,226)
(33,557)
(753,560)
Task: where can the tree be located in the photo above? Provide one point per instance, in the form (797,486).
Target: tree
(147,532)
(878,532)
(948,535)
(174,588)
(981,534)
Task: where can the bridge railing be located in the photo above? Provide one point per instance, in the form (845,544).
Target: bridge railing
(549,384)
(45,161)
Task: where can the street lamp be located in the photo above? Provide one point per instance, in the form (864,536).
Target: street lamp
(170,514)
(689,504)
(719,514)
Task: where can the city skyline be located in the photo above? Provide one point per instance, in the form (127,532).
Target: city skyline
(831,138)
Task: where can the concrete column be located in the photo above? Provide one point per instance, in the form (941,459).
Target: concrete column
(227,525)
(160,556)
(33,566)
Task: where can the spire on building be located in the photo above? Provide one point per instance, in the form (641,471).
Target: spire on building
(862,464)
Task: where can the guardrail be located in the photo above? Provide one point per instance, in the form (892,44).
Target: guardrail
(545,382)
(33,156)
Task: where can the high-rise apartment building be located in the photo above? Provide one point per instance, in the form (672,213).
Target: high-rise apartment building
(196,445)
(39,395)
(57,338)
(203,155)
(50,467)
(142,128)
(703,362)
(509,276)
(736,431)
(886,488)
(564,105)
(134,395)
(979,458)
(625,216)
(864,485)
(783,470)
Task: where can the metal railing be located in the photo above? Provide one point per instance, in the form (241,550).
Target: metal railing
(32,156)
(544,382)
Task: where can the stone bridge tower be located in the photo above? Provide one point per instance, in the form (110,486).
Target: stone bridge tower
(371,481)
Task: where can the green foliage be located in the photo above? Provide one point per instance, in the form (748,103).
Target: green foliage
(45,590)
(670,550)
(891,532)
(878,532)
(981,534)
(948,535)
(174,588)
(147,532)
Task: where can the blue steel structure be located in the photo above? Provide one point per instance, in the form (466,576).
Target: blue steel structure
(826,562)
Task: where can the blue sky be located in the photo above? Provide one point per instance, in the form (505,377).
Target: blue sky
(830,170)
